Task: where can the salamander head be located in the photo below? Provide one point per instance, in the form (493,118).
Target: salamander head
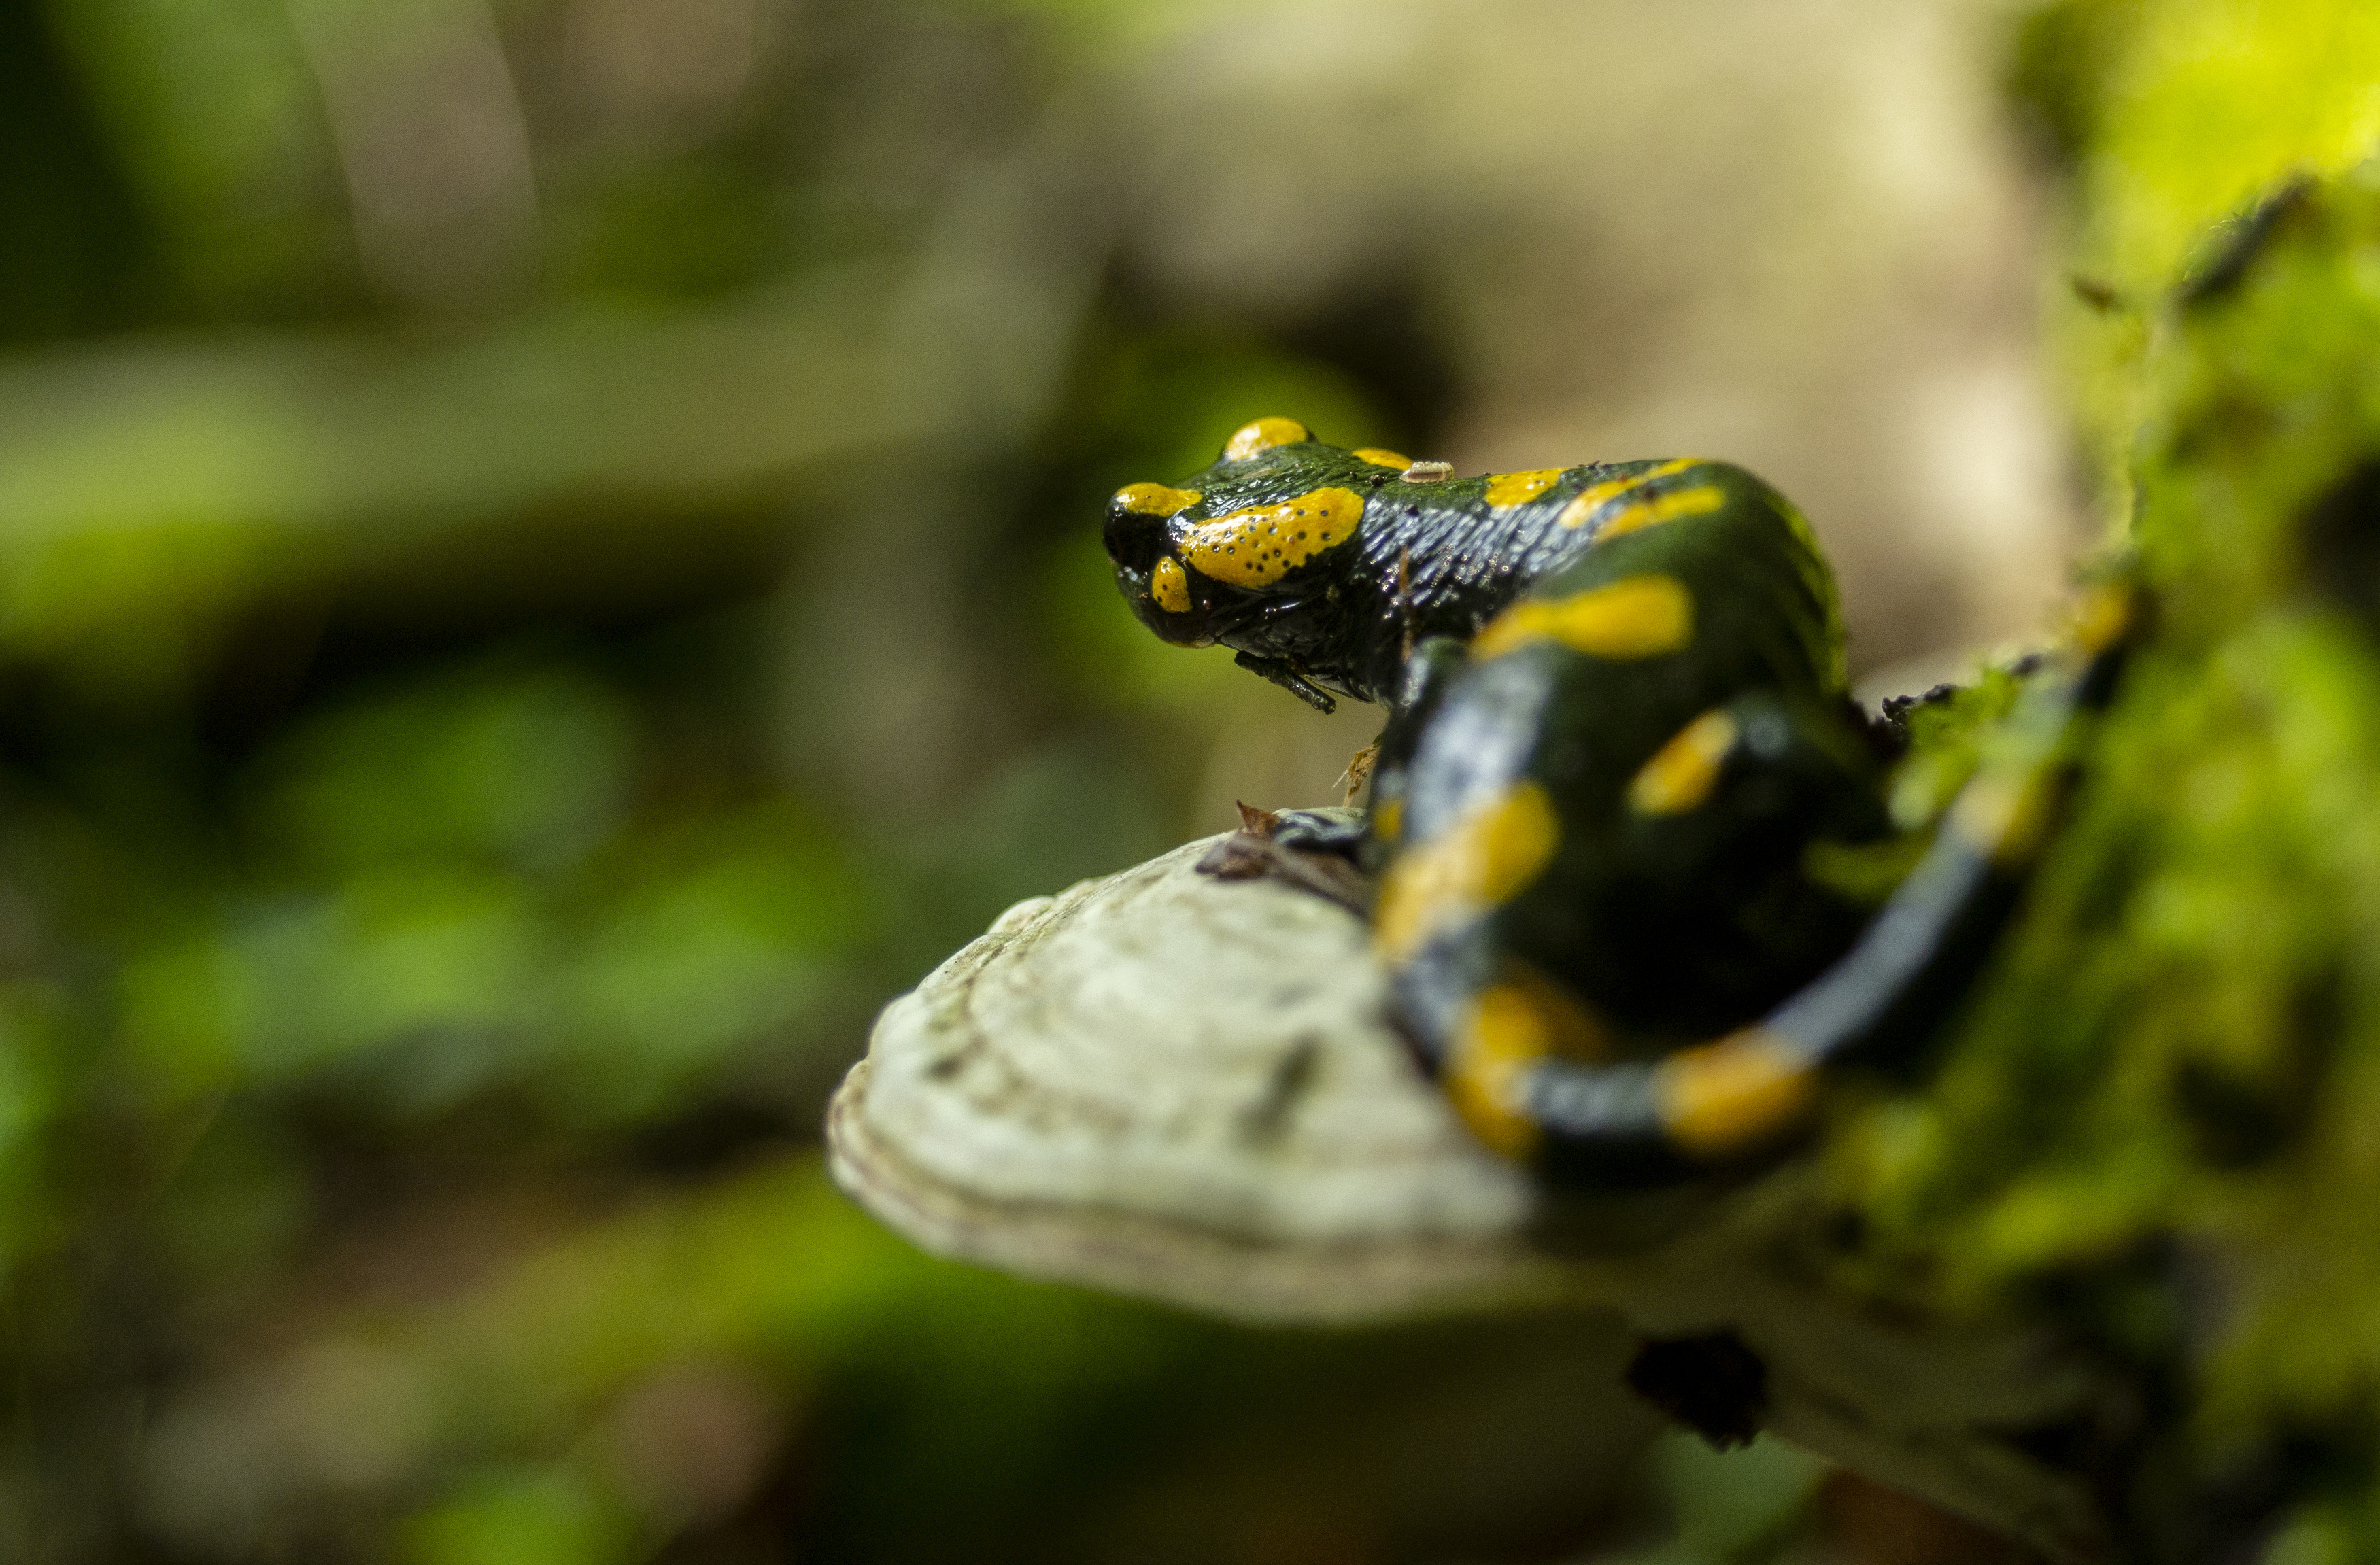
(1202,561)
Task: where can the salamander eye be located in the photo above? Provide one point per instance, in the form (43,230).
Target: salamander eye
(1136,524)
(1133,537)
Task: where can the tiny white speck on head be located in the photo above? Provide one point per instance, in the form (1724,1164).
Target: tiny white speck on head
(1428,472)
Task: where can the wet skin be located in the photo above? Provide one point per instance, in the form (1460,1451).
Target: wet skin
(1617,761)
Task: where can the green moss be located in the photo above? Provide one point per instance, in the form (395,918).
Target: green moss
(2160,1121)
(2170,114)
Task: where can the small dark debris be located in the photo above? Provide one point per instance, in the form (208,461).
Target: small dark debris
(1897,707)
(2342,540)
(1251,853)
(2098,293)
(1268,1117)
(1713,1384)
(2238,243)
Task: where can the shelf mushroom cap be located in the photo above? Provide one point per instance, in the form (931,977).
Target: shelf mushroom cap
(1187,1089)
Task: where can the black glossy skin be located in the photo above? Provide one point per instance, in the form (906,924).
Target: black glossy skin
(1682,972)
(1669,927)
(1342,622)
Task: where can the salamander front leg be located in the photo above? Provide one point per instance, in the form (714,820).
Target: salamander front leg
(1311,831)
(1281,673)
(1364,842)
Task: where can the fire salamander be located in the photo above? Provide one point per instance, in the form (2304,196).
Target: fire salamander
(1619,752)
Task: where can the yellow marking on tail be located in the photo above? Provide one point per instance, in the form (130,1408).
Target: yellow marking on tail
(1575,1031)
(1733,1095)
(2004,816)
(1482,861)
(2103,616)
(1499,1043)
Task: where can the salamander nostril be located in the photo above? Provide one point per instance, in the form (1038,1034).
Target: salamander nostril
(1133,538)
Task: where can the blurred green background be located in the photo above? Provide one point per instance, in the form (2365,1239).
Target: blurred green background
(549,564)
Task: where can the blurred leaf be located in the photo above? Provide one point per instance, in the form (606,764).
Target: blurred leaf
(2212,105)
(447,966)
(1109,656)
(160,481)
(540,1517)
(525,770)
(217,116)
(732,930)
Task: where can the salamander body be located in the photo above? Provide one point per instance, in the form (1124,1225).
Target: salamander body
(1619,761)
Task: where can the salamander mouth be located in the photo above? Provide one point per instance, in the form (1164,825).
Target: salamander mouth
(1187,626)
(1182,605)
(1241,618)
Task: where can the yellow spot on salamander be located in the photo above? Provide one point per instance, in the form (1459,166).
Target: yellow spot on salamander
(1482,861)
(1169,586)
(1263,434)
(1501,1040)
(1696,501)
(2003,816)
(1155,499)
(2102,617)
(1733,1095)
(1389,820)
(1379,457)
(1519,489)
(1679,775)
(1261,544)
(1637,616)
(1594,497)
